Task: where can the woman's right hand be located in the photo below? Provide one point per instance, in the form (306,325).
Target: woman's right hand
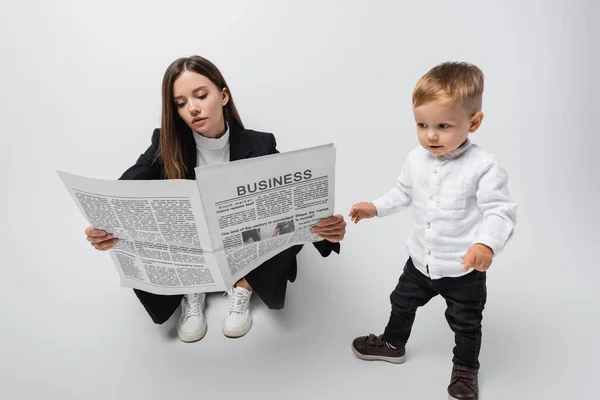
(101,240)
(362,210)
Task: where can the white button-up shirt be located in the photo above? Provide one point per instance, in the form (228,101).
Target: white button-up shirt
(459,199)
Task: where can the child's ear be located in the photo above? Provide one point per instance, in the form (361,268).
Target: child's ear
(476,121)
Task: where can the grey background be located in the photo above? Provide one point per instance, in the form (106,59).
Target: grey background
(81,92)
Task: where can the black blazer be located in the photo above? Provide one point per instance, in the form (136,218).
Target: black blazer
(266,280)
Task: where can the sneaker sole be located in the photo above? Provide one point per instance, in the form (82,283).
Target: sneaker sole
(453,398)
(393,360)
(235,333)
(193,336)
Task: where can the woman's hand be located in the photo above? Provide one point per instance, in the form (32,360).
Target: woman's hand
(332,229)
(101,240)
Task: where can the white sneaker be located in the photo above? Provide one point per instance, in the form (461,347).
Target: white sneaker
(192,324)
(238,321)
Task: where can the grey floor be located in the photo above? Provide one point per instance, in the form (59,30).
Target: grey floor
(94,341)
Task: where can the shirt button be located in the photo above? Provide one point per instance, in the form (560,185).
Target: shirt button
(428,252)
(435,171)
(430,197)
(429,225)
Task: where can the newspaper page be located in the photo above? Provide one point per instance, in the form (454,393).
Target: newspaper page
(256,208)
(164,246)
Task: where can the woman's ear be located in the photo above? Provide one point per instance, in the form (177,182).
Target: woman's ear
(224,97)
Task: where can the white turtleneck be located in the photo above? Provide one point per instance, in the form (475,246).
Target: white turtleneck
(212,151)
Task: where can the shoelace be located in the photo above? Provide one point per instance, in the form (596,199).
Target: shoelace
(237,301)
(192,304)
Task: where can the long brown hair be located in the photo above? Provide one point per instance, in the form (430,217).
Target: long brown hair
(173,128)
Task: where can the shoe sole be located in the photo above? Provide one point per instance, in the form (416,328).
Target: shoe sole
(194,336)
(453,398)
(236,333)
(393,360)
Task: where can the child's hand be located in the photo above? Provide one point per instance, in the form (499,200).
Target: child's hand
(362,210)
(478,257)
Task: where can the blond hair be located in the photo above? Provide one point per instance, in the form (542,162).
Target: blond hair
(451,82)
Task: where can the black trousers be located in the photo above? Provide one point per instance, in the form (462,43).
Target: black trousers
(465,298)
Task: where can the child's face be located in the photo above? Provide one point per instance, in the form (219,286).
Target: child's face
(443,127)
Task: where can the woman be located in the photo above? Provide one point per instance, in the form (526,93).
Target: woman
(201,126)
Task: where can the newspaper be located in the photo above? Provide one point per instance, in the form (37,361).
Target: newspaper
(182,236)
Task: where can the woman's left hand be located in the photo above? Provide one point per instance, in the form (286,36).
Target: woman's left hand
(332,229)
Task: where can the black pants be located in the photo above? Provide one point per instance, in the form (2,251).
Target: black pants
(465,298)
(268,281)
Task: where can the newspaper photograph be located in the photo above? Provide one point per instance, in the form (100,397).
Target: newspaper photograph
(185,236)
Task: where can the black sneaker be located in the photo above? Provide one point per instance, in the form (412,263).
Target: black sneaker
(374,348)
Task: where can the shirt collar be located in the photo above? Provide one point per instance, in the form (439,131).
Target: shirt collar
(456,153)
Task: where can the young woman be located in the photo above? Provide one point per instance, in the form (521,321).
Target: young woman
(201,126)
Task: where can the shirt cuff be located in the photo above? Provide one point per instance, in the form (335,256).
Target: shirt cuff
(379,204)
(490,241)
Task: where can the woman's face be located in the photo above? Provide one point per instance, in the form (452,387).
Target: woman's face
(200,103)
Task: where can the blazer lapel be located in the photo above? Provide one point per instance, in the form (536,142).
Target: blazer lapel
(239,146)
